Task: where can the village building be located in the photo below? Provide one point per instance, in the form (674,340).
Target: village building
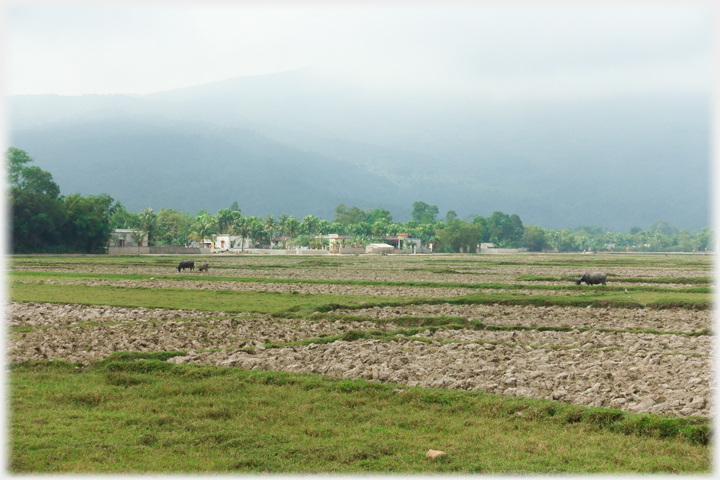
(128,237)
(226,241)
(404,241)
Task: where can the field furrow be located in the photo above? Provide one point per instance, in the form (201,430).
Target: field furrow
(637,372)
(673,320)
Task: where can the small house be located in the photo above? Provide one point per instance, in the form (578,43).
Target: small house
(379,248)
(128,237)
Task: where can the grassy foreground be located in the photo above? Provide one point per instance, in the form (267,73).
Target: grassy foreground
(128,414)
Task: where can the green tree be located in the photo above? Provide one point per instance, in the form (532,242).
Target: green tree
(17,161)
(534,238)
(270,226)
(257,230)
(425,232)
(148,222)
(292,226)
(450,215)
(203,227)
(362,229)
(309,225)
(323,227)
(705,239)
(88,226)
(241,226)
(348,216)
(282,223)
(505,230)
(233,226)
(567,242)
(235,207)
(300,241)
(337,227)
(424,213)
(379,214)
(482,222)
(38,214)
(663,227)
(458,234)
(172,227)
(380,228)
(123,218)
(138,236)
(223,218)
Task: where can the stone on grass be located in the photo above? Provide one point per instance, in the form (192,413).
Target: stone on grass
(434,454)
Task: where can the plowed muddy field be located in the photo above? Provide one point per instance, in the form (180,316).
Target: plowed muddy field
(620,355)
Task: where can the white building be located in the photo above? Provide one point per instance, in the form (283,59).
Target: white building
(379,248)
(226,241)
(126,237)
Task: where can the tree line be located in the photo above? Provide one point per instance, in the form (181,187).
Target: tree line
(43,221)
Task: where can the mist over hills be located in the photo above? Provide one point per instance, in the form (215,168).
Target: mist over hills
(301,142)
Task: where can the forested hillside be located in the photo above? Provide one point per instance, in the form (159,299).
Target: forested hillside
(302,143)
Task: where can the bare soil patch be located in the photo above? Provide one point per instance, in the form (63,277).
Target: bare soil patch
(668,374)
(677,319)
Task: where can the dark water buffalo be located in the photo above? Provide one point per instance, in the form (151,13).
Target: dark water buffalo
(203,267)
(186,264)
(592,278)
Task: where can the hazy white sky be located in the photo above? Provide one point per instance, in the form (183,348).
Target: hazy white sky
(503,52)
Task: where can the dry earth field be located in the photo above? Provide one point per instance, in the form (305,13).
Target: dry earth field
(486,337)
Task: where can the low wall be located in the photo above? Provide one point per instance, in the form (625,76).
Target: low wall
(128,250)
(272,251)
(174,250)
(503,250)
(158,250)
(350,250)
(234,251)
(308,251)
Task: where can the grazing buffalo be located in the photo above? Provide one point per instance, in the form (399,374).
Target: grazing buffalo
(186,264)
(203,267)
(592,278)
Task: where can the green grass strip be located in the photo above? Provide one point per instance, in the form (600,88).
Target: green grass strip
(602,301)
(210,278)
(210,300)
(302,305)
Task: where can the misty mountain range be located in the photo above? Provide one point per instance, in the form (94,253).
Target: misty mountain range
(301,142)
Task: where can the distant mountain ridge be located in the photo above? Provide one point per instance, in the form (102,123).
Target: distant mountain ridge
(301,143)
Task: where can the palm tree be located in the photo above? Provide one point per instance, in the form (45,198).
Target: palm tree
(241,227)
(223,219)
(292,225)
(282,222)
(233,228)
(257,229)
(310,224)
(204,225)
(323,226)
(138,235)
(270,225)
(148,220)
